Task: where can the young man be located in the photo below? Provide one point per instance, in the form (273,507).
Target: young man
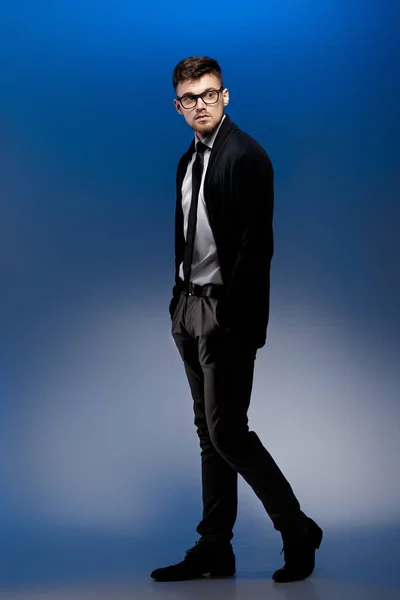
(219,311)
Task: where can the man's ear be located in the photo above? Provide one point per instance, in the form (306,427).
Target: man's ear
(226,97)
(178,106)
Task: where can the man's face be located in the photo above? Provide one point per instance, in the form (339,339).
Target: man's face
(203,118)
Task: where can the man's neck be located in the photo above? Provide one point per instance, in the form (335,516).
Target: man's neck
(202,136)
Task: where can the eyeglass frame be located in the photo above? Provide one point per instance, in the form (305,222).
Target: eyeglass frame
(197,96)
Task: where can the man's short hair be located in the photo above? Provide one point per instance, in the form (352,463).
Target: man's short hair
(194,67)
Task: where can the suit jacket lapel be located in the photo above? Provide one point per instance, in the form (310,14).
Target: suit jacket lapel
(223,133)
(224,130)
(183,168)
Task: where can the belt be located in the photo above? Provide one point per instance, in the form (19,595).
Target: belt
(211,289)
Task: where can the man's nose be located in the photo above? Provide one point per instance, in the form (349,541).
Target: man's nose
(202,105)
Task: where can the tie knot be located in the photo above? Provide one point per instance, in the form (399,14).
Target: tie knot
(201,148)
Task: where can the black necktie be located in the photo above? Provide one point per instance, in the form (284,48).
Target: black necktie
(197,172)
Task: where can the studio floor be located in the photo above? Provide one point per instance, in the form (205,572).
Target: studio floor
(243,587)
(48,565)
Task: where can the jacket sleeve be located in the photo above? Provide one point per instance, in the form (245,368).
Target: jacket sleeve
(253,185)
(179,239)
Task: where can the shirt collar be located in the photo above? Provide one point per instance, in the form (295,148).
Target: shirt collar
(210,138)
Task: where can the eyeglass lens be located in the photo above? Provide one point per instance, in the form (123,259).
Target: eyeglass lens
(210,97)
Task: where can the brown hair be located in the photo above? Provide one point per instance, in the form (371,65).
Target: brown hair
(194,67)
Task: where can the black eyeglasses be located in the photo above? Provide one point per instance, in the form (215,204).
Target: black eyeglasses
(209,97)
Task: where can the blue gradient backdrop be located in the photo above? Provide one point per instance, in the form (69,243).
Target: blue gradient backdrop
(96,424)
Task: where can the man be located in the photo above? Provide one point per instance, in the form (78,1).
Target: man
(219,311)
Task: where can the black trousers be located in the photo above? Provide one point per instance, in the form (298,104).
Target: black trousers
(219,365)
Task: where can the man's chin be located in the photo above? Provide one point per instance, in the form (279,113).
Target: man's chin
(203,128)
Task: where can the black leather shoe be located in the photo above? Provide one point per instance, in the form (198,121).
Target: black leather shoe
(299,553)
(217,560)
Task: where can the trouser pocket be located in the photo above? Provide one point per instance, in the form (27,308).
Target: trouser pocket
(177,307)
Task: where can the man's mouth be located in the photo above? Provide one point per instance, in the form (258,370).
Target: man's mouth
(201,117)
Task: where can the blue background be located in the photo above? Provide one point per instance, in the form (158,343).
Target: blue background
(95,414)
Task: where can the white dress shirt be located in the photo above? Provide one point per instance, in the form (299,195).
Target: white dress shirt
(205,263)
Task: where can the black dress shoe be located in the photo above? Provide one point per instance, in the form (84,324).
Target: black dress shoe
(217,560)
(299,553)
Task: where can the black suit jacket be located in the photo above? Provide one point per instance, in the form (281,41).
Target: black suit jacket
(239,195)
